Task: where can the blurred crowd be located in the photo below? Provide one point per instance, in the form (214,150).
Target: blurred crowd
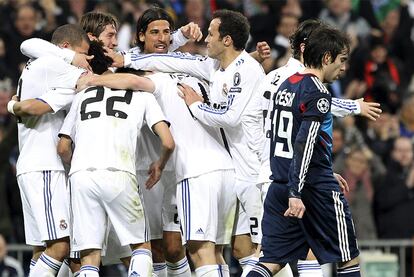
(375,157)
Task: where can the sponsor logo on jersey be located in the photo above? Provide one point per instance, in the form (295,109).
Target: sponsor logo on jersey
(235,90)
(236,79)
(323,105)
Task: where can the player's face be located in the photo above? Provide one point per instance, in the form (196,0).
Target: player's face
(108,36)
(215,44)
(157,37)
(82,49)
(335,69)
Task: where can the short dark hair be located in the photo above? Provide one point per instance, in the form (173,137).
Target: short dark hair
(100,63)
(302,33)
(71,33)
(95,22)
(235,25)
(323,41)
(150,15)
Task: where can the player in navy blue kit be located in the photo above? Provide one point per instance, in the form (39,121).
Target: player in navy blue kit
(301,163)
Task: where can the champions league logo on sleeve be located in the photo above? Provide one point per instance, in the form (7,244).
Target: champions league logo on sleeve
(323,105)
(236,79)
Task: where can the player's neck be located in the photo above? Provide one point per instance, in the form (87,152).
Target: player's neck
(228,57)
(317,72)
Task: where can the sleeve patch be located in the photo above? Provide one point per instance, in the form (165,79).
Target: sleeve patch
(323,105)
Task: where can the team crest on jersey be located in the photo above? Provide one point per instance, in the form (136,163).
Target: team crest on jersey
(225,90)
(63,225)
(236,79)
(323,105)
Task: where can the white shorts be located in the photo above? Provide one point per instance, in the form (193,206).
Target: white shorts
(45,201)
(206,207)
(250,210)
(160,204)
(113,251)
(100,195)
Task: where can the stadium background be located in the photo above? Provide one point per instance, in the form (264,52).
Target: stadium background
(380,175)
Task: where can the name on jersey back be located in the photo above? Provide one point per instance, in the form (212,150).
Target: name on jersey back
(284,98)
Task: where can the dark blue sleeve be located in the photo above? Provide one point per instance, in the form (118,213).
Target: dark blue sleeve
(314,107)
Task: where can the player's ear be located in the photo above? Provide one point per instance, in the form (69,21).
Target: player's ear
(227,41)
(327,58)
(65,44)
(141,37)
(91,36)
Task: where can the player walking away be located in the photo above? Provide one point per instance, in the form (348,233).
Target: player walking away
(40,172)
(339,108)
(103,183)
(301,141)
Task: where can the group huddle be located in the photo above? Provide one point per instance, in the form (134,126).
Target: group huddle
(156,152)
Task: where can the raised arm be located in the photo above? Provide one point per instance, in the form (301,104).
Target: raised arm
(118,81)
(35,48)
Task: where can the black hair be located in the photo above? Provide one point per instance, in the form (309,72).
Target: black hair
(71,33)
(324,41)
(150,15)
(100,62)
(235,25)
(302,33)
(131,71)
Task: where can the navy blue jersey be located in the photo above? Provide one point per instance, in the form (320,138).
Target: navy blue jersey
(301,134)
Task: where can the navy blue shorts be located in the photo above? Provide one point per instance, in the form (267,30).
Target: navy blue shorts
(326,227)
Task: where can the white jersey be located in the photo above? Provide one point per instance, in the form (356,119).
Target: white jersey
(270,86)
(104,125)
(234,105)
(198,147)
(237,110)
(53,81)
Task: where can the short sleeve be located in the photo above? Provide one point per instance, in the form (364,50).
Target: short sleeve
(68,126)
(153,112)
(159,81)
(58,98)
(62,75)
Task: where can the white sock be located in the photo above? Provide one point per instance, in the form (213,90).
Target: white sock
(160,269)
(45,266)
(141,263)
(225,271)
(247,263)
(32,264)
(285,272)
(208,271)
(309,268)
(64,270)
(89,271)
(179,269)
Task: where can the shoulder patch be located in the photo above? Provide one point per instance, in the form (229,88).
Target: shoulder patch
(323,105)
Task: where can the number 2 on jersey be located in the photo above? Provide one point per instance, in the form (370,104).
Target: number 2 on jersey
(282,127)
(110,111)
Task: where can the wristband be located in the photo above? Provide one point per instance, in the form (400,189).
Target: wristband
(10,106)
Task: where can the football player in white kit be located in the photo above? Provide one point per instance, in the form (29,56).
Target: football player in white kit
(103,27)
(103,172)
(206,200)
(46,87)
